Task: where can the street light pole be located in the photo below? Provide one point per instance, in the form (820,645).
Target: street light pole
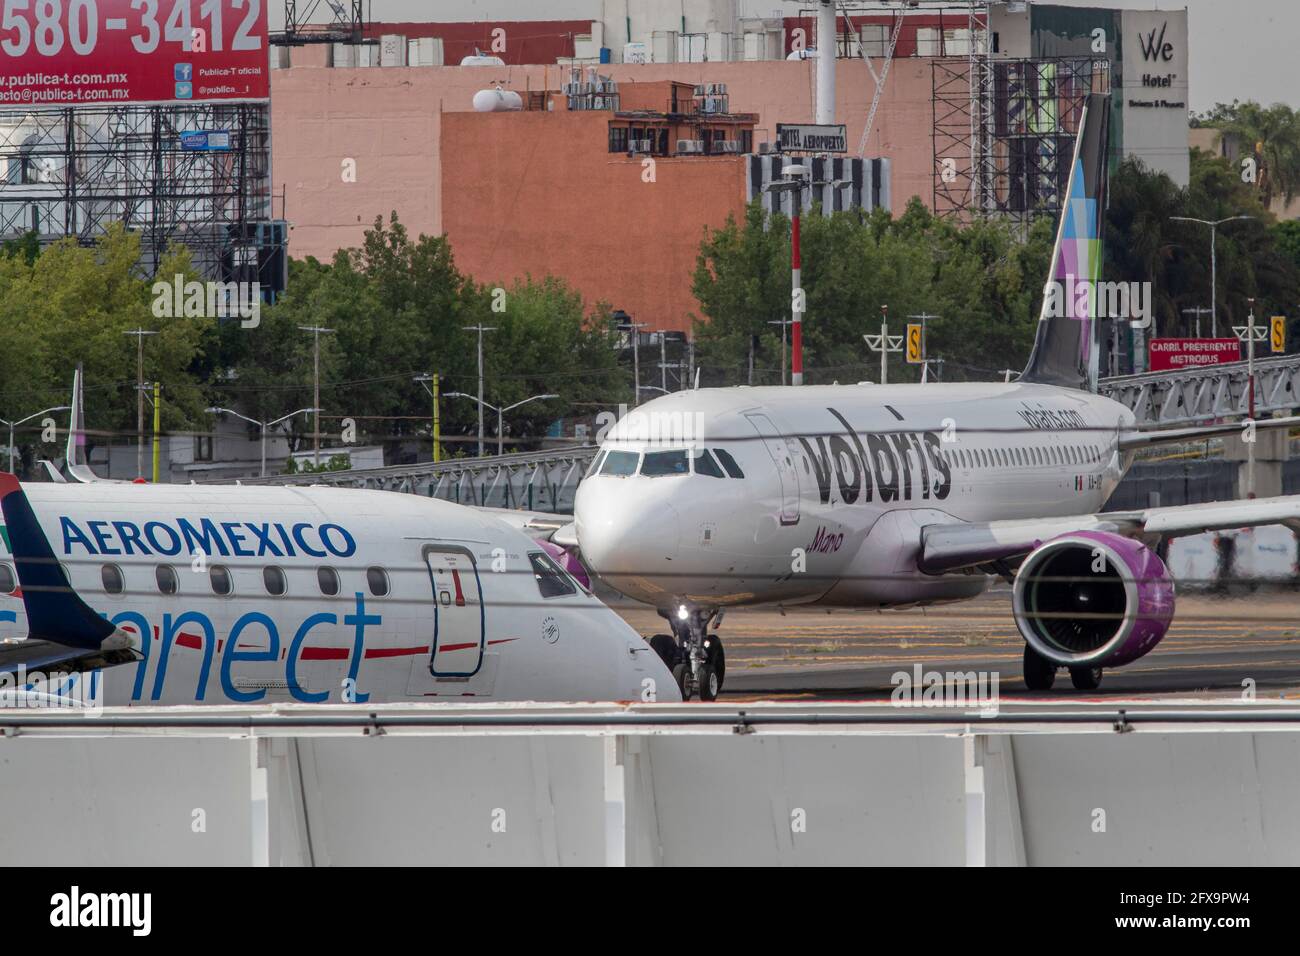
(262,426)
(500,413)
(23,421)
(316,331)
(1214,225)
(139,334)
(1250,334)
(1198,311)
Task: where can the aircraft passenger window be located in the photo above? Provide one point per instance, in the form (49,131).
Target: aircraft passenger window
(377,581)
(728,463)
(328,579)
(219,577)
(273,579)
(7,583)
(111,575)
(705,465)
(165,575)
(620,463)
(551,580)
(660,463)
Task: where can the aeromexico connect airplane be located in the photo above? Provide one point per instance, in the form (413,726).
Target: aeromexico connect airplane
(884,496)
(130,594)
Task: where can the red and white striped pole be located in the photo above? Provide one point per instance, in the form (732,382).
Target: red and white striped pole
(796,296)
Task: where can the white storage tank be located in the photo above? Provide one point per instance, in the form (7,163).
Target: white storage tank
(497,101)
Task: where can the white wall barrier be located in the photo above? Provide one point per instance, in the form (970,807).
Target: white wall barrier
(634,785)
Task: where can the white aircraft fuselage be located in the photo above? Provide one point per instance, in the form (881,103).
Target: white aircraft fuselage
(244,595)
(837,483)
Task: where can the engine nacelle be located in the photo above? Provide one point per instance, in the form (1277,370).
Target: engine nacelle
(1093,599)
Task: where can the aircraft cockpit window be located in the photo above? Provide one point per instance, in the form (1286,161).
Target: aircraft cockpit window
(705,465)
(377,581)
(595,463)
(274,581)
(165,575)
(729,463)
(551,579)
(657,464)
(620,463)
(328,580)
(219,577)
(111,575)
(8,585)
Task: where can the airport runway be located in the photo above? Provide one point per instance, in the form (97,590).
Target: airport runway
(1214,645)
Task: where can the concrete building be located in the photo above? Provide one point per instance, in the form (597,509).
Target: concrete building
(513,190)
(1147,53)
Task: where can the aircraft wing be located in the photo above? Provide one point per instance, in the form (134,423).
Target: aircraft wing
(540,525)
(63,632)
(1144,438)
(962,545)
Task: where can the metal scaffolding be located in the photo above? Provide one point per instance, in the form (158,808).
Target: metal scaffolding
(1004,131)
(195,173)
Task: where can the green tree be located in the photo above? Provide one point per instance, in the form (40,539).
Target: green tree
(1272,135)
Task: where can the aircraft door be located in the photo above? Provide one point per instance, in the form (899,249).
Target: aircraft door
(459,616)
(783,457)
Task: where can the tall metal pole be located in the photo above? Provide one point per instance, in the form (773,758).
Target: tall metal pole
(434,393)
(884,341)
(785,324)
(480,329)
(157,430)
(1198,311)
(437,422)
(316,331)
(663,360)
(796,288)
(11,448)
(139,334)
(1250,374)
(826,43)
(1214,293)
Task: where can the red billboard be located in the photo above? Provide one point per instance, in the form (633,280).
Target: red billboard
(88,52)
(1172,355)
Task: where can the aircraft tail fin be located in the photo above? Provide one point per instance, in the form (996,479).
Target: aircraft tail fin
(55,612)
(1067,343)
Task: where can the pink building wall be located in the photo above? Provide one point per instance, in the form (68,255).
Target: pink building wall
(389,122)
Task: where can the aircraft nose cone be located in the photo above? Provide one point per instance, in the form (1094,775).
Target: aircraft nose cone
(620,535)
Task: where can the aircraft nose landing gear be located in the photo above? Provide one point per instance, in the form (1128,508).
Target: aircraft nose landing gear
(696,657)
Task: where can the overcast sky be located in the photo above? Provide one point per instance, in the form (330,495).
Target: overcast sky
(1243,49)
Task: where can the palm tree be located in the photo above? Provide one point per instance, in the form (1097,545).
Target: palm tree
(1272,135)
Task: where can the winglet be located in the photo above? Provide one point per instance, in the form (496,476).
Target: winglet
(55,612)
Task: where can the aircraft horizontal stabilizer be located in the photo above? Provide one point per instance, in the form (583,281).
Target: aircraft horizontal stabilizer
(55,612)
(35,656)
(1129,441)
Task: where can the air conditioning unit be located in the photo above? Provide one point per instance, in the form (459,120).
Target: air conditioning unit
(726,146)
(639,145)
(690,146)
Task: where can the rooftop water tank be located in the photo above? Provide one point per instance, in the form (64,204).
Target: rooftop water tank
(497,101)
